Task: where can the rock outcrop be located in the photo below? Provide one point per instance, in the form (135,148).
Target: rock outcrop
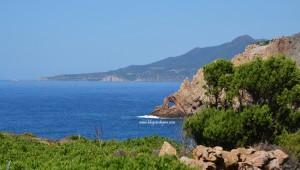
(237,159)
(191,96)
(208,158)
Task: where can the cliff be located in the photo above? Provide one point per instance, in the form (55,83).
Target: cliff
(191,95)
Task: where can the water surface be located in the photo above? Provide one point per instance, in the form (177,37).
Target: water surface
(57,109)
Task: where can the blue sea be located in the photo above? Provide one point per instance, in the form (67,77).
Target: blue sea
(56,109)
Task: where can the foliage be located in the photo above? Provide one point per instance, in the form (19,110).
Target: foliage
(263,42)
(217,77)
(27,153)
(290,141)
(228,128)
(271,89)
(266,80)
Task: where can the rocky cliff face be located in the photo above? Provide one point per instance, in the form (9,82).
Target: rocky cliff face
(290,46)
(191,96)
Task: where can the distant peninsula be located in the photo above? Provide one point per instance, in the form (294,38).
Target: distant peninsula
(170,69)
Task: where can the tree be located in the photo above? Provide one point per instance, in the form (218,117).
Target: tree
(274,89)
(217,77)
(266,80)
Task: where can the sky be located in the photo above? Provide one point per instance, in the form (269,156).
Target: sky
(51,37)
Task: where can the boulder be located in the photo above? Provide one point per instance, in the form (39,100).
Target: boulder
(242,153)
(230,159)
(200,151)
(258,159)
(280,156)
(211,158)
(236,159)
(218,148)
(208,166)
(167,149)
(218,151)
(273,165)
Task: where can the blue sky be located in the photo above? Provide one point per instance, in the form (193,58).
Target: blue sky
(42,38)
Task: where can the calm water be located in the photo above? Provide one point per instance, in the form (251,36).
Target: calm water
(58,109)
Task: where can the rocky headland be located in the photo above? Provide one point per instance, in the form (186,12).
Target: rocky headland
(191,97)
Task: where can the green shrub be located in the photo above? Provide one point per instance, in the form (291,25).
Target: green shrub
(263,42)
(228,128)
(85,154)
(266,80)
(217,77)
(294,121)
(290,141)
(74,137)
(272,91)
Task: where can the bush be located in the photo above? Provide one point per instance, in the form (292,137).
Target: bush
(270,106)
(228,128)
(290,141)
(263,42)
(266,80)
(84,154)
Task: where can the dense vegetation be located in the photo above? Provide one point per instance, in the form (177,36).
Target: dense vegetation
(251,103)
(28,152)
(291,142)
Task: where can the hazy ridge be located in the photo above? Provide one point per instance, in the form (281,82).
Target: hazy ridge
(169,69)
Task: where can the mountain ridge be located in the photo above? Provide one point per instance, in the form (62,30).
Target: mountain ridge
(175,68)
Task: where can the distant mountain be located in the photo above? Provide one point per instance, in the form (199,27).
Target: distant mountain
(169,69)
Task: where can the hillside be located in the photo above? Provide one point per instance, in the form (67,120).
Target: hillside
(169,69)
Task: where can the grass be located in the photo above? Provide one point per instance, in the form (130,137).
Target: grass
(29,152)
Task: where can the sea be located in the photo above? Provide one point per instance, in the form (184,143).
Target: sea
(110,111)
